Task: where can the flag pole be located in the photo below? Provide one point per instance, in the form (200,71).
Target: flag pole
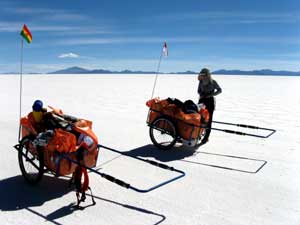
(21,82)
(157,71)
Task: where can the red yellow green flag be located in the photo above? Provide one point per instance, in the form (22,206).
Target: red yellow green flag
(25,33)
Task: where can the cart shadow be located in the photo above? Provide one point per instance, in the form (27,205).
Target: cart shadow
(176,153)
(258,163)
(17,194)
(66,210)
(135,208)
(182,152)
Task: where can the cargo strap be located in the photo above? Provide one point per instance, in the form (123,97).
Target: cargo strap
(81,187)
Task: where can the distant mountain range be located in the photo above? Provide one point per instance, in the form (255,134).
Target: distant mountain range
(79,70)
(258,72)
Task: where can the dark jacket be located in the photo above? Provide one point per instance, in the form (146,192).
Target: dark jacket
(209,90)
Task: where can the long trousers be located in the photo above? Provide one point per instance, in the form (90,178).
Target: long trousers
(210,106)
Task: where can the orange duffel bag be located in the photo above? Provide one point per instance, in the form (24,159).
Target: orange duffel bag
(62,142)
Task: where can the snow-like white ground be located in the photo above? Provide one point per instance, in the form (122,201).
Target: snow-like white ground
(261,188)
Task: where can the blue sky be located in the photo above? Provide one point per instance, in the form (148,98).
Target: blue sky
(117,35)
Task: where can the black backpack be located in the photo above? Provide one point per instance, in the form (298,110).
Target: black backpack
(175,101)
(189,107)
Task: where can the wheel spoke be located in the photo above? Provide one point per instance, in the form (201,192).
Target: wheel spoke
(163,133)
(30,161)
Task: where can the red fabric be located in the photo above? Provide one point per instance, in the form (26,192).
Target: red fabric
(78,178)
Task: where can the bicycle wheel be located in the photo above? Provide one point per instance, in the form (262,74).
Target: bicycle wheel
(163,133)
(31,161)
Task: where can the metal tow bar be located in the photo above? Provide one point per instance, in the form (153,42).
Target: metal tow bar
(127,185)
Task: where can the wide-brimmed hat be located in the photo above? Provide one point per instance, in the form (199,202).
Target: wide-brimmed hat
(204,72)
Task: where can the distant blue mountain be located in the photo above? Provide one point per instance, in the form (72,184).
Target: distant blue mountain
(79,70)
(71,70)
(257,72)
(186,72)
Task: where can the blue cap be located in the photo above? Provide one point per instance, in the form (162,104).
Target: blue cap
(37,105)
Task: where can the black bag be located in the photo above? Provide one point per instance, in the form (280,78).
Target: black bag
(189,107)
(175,101)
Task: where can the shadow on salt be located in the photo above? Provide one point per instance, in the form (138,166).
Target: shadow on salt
(220,161)
(18,195)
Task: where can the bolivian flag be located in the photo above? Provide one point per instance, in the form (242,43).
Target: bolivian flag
(25,33)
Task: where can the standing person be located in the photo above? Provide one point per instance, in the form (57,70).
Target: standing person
(207,89)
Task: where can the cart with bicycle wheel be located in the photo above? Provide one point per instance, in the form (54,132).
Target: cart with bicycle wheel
(70,149)
(169,124)
(72,138)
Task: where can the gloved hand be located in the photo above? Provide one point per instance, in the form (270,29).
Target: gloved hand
(43,138)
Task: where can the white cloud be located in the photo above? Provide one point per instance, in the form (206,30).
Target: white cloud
(50,28)
(194,40)
(58,30)
(128,40)
(17,26)
(49,14)
(10,26)
(220,17)
(68,55)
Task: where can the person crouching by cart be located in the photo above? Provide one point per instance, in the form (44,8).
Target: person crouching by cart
(36,116)
(38,119)
(44,123)
(207,89)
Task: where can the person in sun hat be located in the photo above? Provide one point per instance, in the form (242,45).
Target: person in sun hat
(207,89)
(36,116)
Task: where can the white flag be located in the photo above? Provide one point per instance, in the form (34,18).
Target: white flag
(165,49)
